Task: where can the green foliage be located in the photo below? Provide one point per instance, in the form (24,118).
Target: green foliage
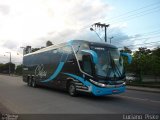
(4,68)
(126,49)
(145,62)
(18,70)
(35,49)
(48,43)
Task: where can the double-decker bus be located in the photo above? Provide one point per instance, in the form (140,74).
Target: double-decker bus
(77,66)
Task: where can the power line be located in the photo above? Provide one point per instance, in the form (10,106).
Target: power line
(138,13)
(137,39)
(140,44)
(151,33)
(134,16)
(132,38)
(150,5)
(157,3)
(105,26)
(87,26)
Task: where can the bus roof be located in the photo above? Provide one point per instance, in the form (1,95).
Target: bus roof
(94,43)
(102,44)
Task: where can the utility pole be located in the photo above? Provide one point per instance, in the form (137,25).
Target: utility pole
(99,25)
(9,63)
(111,39)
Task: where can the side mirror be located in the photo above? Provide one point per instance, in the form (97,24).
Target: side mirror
(93,55)
(128,56)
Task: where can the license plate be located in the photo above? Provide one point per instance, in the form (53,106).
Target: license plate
(115,91)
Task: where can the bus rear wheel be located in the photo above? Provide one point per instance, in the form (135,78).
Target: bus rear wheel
(72,89)
(29,81)
(33,83)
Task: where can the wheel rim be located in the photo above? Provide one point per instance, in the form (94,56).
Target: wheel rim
(72,89)
(29,82)
(33,83)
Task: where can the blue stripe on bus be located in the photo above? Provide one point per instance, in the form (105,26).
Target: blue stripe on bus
(85,82)
(97,91)
(75,76)
(59,68)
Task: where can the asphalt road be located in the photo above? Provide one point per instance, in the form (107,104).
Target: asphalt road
(17,97)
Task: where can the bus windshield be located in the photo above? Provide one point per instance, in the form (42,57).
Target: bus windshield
(110,63)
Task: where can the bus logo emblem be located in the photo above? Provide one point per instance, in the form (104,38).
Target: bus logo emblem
(39,71)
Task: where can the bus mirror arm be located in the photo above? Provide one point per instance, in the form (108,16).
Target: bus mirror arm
(128,56)
(93,55)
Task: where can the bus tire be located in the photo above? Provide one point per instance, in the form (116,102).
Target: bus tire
(33,82)
(29,81)
(72,89)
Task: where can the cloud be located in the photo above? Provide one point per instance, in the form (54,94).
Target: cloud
(10,44)
(120,38)
(89,11)
(33,19)
(33,22)
(4,9)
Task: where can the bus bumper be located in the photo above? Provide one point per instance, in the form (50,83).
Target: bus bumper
(98,91)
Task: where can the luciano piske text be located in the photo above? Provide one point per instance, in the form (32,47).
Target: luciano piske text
(141,116)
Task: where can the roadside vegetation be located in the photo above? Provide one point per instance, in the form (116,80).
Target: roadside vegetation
(145,67)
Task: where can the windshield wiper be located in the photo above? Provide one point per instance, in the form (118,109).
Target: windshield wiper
(114,66)
(78,49)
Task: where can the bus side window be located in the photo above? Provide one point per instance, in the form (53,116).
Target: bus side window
(67,51)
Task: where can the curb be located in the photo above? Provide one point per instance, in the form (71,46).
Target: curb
(145,89)
(12,75)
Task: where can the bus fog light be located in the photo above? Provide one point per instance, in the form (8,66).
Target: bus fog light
(124,83)
(115,91)
(90,88)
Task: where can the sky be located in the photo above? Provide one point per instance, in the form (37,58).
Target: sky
(133,23)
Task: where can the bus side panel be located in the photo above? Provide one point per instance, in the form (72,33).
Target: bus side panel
(49,62)
(70,66)
(44,65)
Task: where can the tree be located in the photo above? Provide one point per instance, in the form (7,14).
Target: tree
(156,51)
(48,43)
(4,68)
(35,49)
(155,61)
(1,67)
(144,62)
(19,69)
(127,50)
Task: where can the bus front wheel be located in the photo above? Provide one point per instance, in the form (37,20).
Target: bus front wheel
(72,89)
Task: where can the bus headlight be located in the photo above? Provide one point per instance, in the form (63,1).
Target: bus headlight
(97,83)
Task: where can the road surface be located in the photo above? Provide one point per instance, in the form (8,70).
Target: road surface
(17,97)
